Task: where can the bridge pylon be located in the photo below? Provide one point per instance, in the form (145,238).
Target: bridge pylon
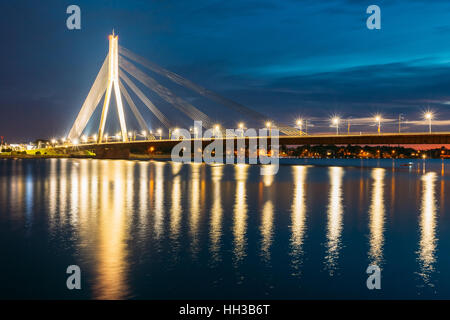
(113,82)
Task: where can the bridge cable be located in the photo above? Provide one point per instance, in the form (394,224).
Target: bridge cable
(203,91)
(133,107)
(161,117)
(190,85)
(166,94)
(90,104)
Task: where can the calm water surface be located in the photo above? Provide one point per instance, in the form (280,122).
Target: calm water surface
(163,230)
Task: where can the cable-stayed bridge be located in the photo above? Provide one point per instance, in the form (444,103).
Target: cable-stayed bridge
(120,72)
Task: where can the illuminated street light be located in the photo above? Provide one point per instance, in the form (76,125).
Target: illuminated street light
(300,123)
(241,127)
(160,133)
(268,126)
(84,139)
(429,116)
(378,120)
(53,141)
(335,122)
(144,133)
(94,137)
(75,142)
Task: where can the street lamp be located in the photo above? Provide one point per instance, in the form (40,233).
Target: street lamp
(144,133)
(268,126)
(378,120)
(335,121)
(300,123)
(241,127)
(429,116)
(160,133)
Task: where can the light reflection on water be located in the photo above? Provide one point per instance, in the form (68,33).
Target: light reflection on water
(140,229)
(376,215)
(298,217)
(427,245)
(334,225)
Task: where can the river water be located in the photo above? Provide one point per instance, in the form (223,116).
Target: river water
(164,230)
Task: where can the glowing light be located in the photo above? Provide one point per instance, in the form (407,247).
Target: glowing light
(376,217)
(268,124)
(429,116)
(334,224)
(335,122)
(378,120)
(298,215)
(428,240)
(241,125)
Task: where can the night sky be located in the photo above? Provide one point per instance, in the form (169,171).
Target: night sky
(286,58)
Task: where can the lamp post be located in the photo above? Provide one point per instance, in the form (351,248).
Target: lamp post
(299,124)
(268,126)
(217,130)
(241,128)
(335,121)
(429,117)
(378,120)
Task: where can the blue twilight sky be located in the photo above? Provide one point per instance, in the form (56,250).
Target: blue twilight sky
(284,58)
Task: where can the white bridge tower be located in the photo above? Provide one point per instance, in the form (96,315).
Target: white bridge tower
(113,80)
